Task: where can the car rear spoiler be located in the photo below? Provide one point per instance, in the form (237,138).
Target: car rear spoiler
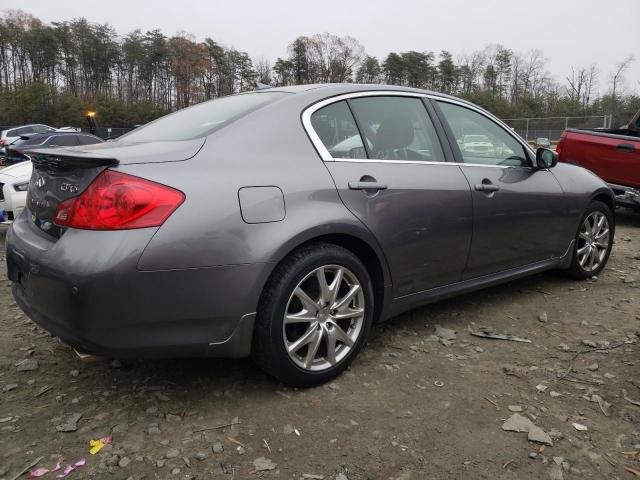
(58,158)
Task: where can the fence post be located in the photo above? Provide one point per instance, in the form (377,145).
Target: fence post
(566,123)
(526,135)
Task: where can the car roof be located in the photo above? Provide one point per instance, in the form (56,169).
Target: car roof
(343,88)
(316,92)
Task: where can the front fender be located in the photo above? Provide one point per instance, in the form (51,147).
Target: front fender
(580,187)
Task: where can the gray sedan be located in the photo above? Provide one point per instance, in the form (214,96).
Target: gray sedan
(283,223)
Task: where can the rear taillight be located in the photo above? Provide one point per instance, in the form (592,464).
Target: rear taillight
(117,201)
(2,142)
(560,143)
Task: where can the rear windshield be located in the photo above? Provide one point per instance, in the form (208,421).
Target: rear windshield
(202,119)
(30,140)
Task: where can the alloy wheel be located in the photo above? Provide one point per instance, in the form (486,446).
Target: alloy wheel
(593,241)
(324,318)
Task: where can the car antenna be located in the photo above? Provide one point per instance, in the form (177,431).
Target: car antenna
(262,86)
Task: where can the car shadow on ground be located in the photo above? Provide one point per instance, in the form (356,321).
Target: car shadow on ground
(627,217)
(180,376)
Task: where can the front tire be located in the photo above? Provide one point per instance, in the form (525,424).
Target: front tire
(314,315)
(593,241)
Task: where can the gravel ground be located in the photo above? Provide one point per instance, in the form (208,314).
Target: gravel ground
(420,402)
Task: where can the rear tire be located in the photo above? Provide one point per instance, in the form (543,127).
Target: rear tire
(593,241)
(308,330)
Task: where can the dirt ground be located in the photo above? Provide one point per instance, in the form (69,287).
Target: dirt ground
(410,407)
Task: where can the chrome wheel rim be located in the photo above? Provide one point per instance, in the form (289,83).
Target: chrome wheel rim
(324,318)
(593,241)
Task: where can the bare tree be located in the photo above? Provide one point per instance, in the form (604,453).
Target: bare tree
(577,83)
(592,81)
(262,66)
(617,78)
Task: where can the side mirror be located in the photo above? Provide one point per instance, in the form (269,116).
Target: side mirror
(546,158)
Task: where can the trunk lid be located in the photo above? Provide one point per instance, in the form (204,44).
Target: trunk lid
(62,173)
(140,152)
(55,178)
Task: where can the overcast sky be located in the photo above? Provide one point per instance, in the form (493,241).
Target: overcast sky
(568,32)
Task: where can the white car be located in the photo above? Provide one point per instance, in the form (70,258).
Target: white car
(14,182)
(11,134)
(478,145)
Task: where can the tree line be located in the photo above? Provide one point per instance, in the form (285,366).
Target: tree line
(53,73)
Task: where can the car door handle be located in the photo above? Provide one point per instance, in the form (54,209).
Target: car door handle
(626,147)
(367,186)
(487,187)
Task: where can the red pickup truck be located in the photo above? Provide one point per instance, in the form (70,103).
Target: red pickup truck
(612,154)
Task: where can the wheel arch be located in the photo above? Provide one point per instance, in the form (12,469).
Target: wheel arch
(606,196)
(361,244)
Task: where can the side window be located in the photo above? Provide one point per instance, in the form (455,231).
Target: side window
(337,129)
(397,128)
(63,141)
(481,140)
(42,129)
(88,140)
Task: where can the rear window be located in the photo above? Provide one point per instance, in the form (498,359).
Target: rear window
(29,141)
(202,119)
(16,132)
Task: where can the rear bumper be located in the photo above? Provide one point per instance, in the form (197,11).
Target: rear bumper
(86,289)
(626,196)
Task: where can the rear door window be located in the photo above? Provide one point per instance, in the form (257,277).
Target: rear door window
(337,129)
(397,128)
(63,141)
(88,140)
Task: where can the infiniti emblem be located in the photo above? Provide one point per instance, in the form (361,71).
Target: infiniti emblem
(69,187)
(40,182)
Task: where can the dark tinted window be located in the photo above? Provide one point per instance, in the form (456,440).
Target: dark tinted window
(480,139)
(337,130)
(88,139)
(397,128)
(201,119)
(63,141)
(30,141)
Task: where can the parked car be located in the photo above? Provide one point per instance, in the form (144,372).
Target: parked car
(228,228)
(11,134)
(478,144)
(612,154)
(543,142)
(14,180)
(16,151)
(14,183)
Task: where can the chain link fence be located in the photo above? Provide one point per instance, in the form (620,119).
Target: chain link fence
(552,127)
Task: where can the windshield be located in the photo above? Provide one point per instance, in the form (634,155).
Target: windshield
(201,119)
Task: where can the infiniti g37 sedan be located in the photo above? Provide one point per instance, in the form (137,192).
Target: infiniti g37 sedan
(282,223)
